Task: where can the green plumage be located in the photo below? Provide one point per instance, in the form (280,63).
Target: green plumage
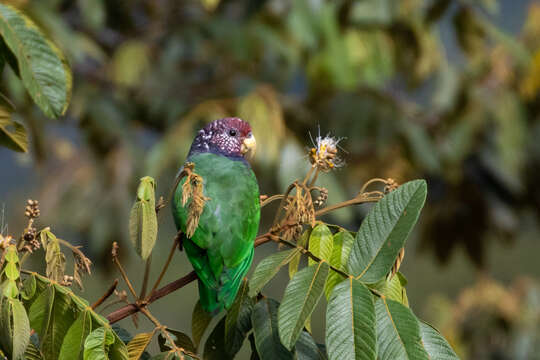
(221,249)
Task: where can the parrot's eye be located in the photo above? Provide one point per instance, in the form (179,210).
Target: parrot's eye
(232,132)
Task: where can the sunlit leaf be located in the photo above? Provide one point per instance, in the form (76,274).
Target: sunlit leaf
(138,344)
(98,343)
(143,219)
(320,243)
(436,346)
(73,342)
(384,231)
(343,241)
(12,134)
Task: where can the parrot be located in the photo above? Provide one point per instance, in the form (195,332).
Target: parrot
(221,248)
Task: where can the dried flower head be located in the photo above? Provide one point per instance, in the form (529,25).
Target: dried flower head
(193,189)
(324,154)
(5,241)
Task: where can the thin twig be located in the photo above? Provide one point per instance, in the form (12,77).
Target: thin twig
(104,297)
(355,201)
(122,271)
(271,199)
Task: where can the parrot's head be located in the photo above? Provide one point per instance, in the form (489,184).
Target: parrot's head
(231,137)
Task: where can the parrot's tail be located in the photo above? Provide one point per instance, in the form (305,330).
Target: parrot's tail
(215,299)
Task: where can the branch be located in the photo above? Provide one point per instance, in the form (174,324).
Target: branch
(108,293)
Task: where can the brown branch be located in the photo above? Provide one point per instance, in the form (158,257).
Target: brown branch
(108,293)
(166,266)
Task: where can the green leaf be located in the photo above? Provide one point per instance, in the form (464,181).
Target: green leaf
(436,346)
(14,327)
(320,243)
(268,268)
(384,231)
(393,289)
(306,348)
(61,318)
(98,343)
(199,322)
(238,320)
(55,258)
(138,344)
(42,67)
(12,134)
(29,288)
(350,322)
(295,261)
(143,225)
(343,242)
(73,342)
(215,347)
(398,332)
(10,289)
(301,296)
(11,271)
(265,330)
(40,311)
(11,254)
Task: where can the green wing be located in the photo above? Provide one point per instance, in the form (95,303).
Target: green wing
(221,249)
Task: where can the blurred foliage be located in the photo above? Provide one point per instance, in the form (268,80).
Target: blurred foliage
(490,321)
(148,73)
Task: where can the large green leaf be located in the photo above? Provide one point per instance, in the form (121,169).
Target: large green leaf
(398,332)
(98,343)
(268,268)
(14,327)
(12,134)
(343,242)
(436,346)
(143,225)
(350,322)
(238,320)
(41,66)
(301,296)
(73,342)
(61,318)
(265,330)
(199,322)
(295,261)
(306,348)
(215,347)
(40,311)
(320,243)
(384,231)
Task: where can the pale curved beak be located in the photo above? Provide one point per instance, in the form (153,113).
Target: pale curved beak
(249,145)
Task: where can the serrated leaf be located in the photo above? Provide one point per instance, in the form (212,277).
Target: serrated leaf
(268,268)
(398,332)
(384,231)
(320,243)
(435,345)
(14,327)
(12,134)
(200,320)
(238,320)
(73,342)
(350,322)
(143,219)
(138,344)
(97,344)
(265,329)
(301,296)
(42,67)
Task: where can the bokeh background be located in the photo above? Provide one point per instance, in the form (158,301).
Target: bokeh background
(442,90)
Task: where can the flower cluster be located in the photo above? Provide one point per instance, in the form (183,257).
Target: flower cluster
(325,153)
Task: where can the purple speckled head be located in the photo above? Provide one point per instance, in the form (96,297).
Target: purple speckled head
(230,137)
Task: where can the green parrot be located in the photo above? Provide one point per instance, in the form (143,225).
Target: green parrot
(221,248)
